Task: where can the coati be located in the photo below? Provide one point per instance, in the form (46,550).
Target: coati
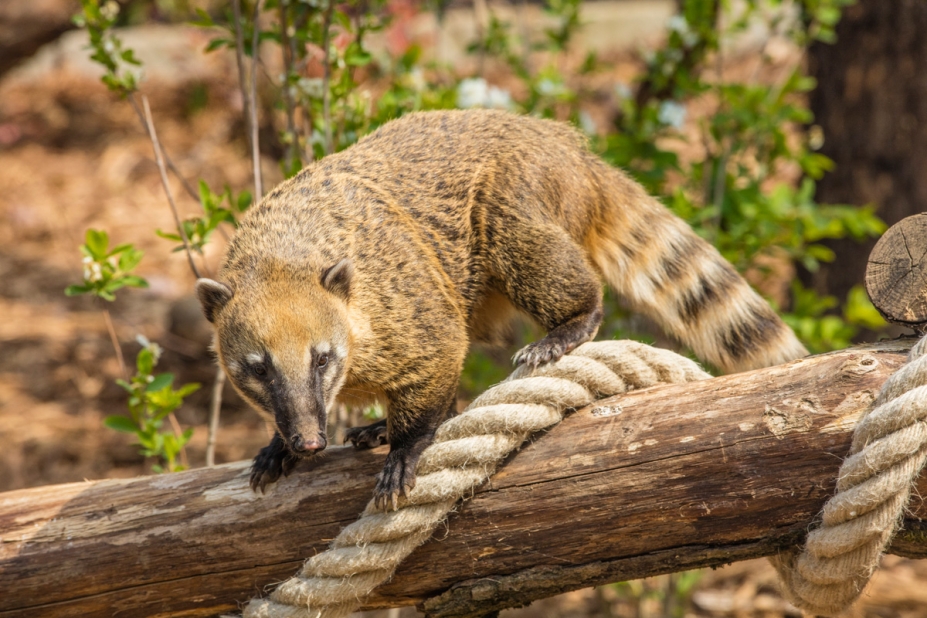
(373,269)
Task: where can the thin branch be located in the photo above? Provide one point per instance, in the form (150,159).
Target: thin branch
(214,407)
(167,159)
(159,158)
(183,181)
(286,48)
(240,61)
(326,77)
(255,139)
(115,340)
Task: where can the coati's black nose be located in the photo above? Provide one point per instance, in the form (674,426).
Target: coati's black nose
(316,444)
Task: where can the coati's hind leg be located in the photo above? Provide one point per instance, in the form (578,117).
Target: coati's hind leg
(368,436)
(547,275)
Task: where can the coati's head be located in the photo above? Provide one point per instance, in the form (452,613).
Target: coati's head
(284,341)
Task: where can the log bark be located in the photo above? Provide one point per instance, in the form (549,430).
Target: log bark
(660,480)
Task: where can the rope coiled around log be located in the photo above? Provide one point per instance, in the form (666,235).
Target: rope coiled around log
(466,451)
(888,452)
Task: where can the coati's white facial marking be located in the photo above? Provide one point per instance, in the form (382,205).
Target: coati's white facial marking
(253,358)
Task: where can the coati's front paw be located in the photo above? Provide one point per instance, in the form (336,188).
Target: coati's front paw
(369,436)
(546,350)
(272,462)
(397,477)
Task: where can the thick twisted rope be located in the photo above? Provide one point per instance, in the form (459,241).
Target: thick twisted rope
(889,449)
(466,451)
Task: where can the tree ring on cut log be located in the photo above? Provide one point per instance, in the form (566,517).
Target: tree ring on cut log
(896,275)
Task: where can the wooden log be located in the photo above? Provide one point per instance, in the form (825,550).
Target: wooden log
(896,275)
(660,480)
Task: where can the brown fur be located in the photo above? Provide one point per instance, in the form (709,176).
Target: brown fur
(450,222)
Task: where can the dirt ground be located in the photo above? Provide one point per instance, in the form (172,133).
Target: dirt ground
(72,157)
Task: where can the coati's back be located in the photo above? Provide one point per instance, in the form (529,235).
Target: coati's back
(436,204)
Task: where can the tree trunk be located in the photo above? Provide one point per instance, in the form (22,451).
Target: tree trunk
(871,102)
(659,480)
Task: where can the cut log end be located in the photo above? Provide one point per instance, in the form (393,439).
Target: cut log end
(896,275)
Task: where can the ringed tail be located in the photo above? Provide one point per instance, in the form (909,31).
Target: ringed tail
(664,270)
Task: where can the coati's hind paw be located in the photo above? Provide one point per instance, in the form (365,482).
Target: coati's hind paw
(369,436)
(397,477)
(546,350)
(272,462)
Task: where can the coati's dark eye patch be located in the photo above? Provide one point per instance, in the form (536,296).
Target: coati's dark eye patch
(259,369)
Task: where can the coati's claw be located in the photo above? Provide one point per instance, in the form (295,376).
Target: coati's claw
(272,462)
(369,436)
(539,352)
(397,477)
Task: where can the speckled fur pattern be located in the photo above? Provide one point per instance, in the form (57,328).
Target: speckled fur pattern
(451,223)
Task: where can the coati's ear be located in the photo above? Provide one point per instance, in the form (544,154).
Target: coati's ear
(213,296)
(337,279)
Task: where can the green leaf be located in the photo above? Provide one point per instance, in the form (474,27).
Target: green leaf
(169,235)
(186,389)
(119,249)
(144,362)
(356,56)
(160,381)
(134,281)
(342,19)
(129,56)
(120,423)
(130,259)
(75,290)
(204,19)
(243,201)
(218,43)
(97,241)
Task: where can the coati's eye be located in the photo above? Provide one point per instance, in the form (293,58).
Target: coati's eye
(323,360)
(259,369)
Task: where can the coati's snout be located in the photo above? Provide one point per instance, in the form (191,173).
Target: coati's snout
(308,446)
(300,413)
